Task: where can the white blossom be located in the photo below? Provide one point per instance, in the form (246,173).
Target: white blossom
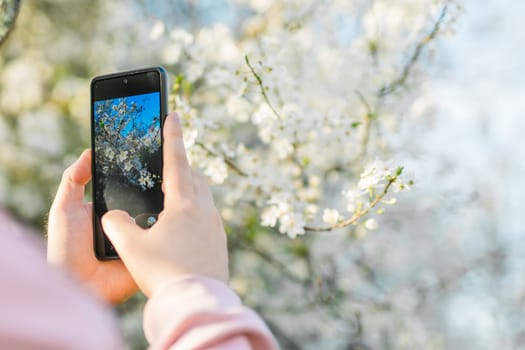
(373,174)
(292,224)
(216,170)
(171,53)
(270,216)
(157,30)
(352,197)
(182,36)
(371,224)
(282,147)
(331,216)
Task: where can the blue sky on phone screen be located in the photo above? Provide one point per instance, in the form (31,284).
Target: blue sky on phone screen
(150,103)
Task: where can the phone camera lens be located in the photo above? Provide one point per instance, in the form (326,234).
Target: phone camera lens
(125,81)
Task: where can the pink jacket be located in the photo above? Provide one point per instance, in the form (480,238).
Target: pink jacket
(42,309)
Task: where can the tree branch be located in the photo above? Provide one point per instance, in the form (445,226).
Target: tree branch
(367,123)
(261,86)
(230,163)
(399,81)
(358,215)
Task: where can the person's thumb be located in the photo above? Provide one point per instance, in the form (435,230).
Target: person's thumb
(121,230)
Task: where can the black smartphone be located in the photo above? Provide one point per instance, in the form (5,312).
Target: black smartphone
(127,116)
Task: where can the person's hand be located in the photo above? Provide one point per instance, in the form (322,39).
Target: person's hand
(70,237)
(188,238)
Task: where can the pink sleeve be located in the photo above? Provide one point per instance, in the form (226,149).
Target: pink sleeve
(196,312)
(42,309)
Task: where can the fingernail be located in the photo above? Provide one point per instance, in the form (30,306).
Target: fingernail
(173,124)
(175,116)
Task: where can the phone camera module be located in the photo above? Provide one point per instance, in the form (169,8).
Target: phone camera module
(151,221)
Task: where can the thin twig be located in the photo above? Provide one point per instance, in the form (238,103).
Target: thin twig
(353,219)
(399,81)
(261,86)
(230,163)
(367,123)
(364,101)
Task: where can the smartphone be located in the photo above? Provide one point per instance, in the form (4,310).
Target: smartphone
(127,115)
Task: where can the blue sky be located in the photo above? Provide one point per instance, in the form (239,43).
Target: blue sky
(151,109)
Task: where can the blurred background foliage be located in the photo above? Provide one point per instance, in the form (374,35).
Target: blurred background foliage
(444,270)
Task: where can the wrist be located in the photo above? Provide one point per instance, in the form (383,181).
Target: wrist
(187,295)
(188,279)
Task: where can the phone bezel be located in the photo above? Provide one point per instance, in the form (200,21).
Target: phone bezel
(108,86)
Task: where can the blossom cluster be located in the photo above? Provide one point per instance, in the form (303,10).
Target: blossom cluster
(289,116)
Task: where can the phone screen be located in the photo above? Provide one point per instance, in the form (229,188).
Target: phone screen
(127,113)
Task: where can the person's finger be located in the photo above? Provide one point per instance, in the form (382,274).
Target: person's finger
(177,177)
(74,180)
(121,230)
(202,189)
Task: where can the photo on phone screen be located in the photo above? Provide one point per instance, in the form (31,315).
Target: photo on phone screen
(127,113)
